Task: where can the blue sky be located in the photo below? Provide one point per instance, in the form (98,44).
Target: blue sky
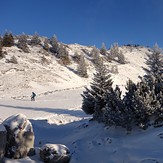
(87,22)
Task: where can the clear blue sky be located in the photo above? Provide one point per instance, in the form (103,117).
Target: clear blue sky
(87,22)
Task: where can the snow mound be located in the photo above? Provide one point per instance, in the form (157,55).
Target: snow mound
(2,127)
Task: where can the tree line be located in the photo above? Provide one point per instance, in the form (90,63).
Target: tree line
(141,106)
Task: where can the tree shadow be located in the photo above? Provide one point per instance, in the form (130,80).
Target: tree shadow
(76,113)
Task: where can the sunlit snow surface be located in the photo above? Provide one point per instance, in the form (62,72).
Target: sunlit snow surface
(56,115)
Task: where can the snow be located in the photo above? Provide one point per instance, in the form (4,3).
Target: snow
(2,128)
(56,115)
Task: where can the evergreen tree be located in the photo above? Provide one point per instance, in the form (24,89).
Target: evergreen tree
(154,78)
(139,104)
(82,67)
(46,44)
(55,45)
(103,50)
(35,40)
(22,43)
(63,55)
(1,52)
(101,84)
(121,57)
(155,63)
(114,110)
(8,40)
(114,51)
(76,57)
(95,55)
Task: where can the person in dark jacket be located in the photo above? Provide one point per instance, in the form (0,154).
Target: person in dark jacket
(33,96)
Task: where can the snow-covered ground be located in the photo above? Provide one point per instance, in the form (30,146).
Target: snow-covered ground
(57,118)
(56,114)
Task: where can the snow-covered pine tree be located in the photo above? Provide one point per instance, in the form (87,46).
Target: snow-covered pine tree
(139,104)
(8,40)
(154,77)
(22,43)
(63,55)
(114,110)
(88,104)
(55,45)
(95,55)
(82,67)
(1,54)
(154,62)
(102,83)
(46,44)
(114,51)
(121,58)
(35,40)
(128,101)
(103,50)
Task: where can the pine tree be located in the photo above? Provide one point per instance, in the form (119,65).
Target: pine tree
(63,55)
(1,53)
(121,58)
(55,45)
(114,110)
(82,67)
(35,40)
(95,55)
(76,57)
(154,77)
(138,104)
(155,62)
(102,83)
(8,40)
(103,50)
(22,43)
(46,45)
(114,51)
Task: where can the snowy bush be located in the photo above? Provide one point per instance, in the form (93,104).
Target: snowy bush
(55,153)
(45,61)
(114,69)
(20,136)
(13,60)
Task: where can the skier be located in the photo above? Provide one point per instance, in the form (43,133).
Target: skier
(33,96)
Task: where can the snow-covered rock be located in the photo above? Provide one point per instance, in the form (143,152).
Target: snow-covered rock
(55,153)
(20,136)
(3,136)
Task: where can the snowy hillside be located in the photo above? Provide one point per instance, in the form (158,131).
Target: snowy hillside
(56,115)
(40,71)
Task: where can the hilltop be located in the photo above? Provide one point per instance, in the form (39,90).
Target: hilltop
(41,71)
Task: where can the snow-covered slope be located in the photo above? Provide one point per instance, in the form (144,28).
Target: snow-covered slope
(32,74)
(56,114)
